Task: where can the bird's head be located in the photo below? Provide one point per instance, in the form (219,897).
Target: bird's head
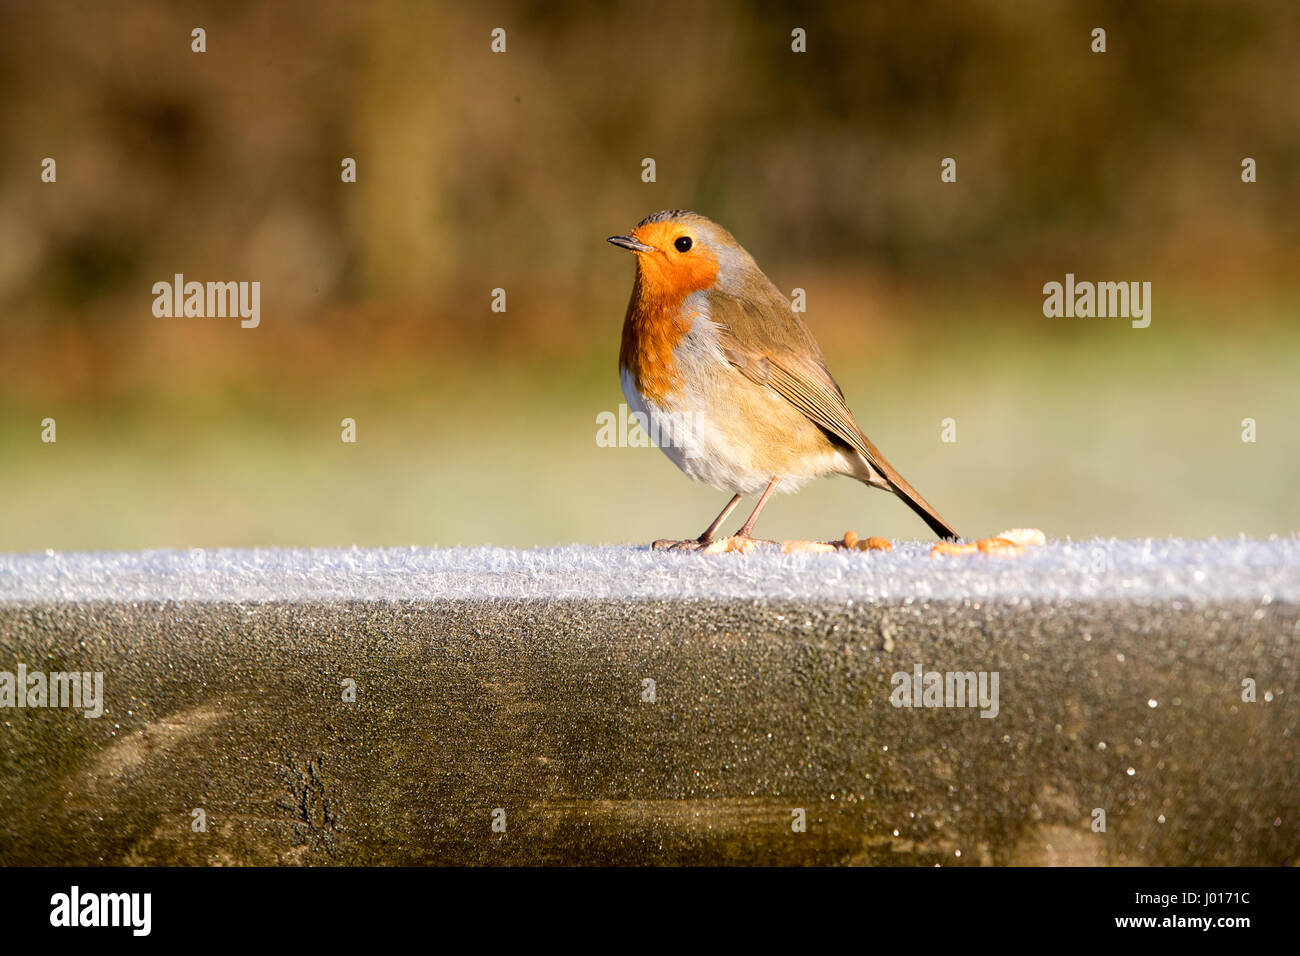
(680,252)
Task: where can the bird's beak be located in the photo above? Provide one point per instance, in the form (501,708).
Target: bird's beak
(627,242)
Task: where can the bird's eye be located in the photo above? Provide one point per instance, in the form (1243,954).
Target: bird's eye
(683,244)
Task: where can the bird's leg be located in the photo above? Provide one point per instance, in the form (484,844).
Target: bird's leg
(712,529)
(693,544)
(748,526)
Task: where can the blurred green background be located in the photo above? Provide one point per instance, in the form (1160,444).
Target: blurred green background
(479,170)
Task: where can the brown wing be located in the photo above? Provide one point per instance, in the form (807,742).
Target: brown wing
(770,345)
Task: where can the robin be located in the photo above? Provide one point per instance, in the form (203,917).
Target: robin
(731,381)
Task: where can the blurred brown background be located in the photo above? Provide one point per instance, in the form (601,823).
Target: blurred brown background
(479,170)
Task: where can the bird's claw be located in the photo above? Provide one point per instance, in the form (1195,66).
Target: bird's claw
(742,544)
(669,544)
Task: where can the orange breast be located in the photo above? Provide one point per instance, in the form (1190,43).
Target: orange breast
(655,323)
(656,317)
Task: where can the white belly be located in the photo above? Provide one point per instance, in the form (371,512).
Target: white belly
(700,448)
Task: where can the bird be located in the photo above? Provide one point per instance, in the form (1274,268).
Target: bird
(729,378)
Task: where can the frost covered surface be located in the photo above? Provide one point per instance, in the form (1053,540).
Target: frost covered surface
(1168,569)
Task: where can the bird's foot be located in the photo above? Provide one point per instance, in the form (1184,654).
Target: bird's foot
(669,544)
(743,544)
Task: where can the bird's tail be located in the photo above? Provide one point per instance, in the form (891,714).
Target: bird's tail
(926,511)
(899,486)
